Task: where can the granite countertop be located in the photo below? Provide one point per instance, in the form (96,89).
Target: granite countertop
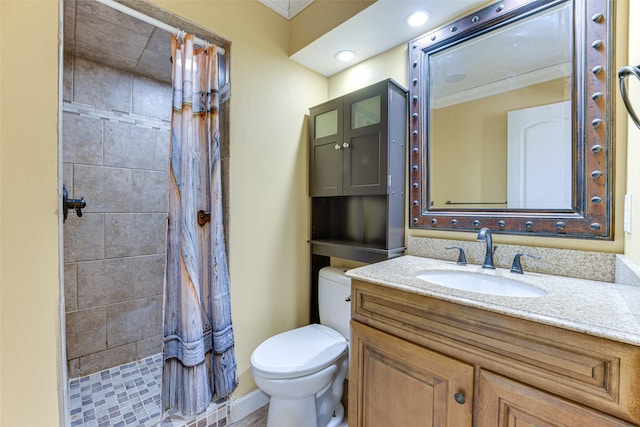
(601,309)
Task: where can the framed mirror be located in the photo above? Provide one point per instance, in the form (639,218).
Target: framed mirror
(510,124)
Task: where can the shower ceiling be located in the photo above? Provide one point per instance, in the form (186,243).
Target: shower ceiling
(101,34)
(104,35)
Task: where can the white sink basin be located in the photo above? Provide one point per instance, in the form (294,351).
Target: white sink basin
(480,283)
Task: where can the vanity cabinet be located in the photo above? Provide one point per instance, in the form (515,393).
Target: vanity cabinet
(430,354)
(399,383)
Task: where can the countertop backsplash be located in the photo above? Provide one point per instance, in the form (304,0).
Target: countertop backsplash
(600,266)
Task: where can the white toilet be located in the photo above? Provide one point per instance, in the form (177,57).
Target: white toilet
(303,370)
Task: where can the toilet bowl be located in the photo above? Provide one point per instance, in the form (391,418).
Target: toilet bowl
(303,370)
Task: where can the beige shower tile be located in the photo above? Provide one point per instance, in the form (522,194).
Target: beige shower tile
(82,139)
(97,23)
(161,232)
(150,191)
(107,359)
(69,24)
(67,75)
(110,17)
(67,178)
(160,43)
(70,287)
(148,347)
(152,98)
(120,230)
(134,320)
(148,275)
(105,189)
(155,65)
(101,86)
(105,282)
(129,146)
(86,332)
(84,237)
(73,366)
(161,155)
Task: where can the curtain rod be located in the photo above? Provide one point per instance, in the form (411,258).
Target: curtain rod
(156,23)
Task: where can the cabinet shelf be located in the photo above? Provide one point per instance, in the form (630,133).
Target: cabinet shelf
(357,251)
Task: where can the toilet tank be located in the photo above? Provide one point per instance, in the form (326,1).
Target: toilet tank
(334,290)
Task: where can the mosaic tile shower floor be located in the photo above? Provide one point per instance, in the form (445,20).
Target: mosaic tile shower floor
(129,395)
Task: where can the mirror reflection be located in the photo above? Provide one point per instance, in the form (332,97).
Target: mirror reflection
(511,124)
(499,130)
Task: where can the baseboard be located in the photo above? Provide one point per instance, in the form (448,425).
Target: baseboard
(243,406)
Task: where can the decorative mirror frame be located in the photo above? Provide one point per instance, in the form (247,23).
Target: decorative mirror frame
(593,154)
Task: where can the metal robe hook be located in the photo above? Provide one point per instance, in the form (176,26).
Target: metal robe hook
(623,73)
(76,204)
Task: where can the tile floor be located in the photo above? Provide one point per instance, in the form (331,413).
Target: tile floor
(129,395)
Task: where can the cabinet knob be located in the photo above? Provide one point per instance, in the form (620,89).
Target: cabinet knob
(459,397)
(337,146)
(346,145)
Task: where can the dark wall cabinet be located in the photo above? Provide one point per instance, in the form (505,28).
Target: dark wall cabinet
(357,171)
(357,142)
(357,176)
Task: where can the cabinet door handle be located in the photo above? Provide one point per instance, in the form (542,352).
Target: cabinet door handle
(337,147)
(346,145)
(459,397)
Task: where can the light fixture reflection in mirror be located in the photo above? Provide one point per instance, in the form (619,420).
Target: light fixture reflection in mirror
(510,121)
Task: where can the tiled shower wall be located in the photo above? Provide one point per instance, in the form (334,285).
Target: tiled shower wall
(116,154)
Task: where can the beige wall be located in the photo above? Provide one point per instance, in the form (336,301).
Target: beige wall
(269,259)
(319,17)
(389,64)
(29,254)
(478,171)
(393,63)
(632,241)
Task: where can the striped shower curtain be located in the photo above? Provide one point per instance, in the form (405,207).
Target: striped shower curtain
(198,346)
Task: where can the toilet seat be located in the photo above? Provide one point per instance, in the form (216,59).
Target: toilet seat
(298,352)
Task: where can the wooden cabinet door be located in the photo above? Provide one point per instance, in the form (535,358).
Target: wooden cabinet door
(393,382)
(326,150)
(503,402)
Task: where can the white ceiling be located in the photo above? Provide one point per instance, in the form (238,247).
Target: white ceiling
(521,54)
(376,29)
(286,8)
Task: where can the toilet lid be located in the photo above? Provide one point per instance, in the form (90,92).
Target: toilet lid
(299,351)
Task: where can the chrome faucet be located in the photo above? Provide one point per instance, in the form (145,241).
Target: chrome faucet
(484,235)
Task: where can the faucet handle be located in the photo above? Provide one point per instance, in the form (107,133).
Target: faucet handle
(516,267)
(462,258)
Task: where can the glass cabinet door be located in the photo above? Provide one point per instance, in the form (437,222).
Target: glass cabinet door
(365,112)
(326,124)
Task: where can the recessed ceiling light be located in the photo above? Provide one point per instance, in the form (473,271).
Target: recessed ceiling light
(418,18)
(456,77)
(345,55)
